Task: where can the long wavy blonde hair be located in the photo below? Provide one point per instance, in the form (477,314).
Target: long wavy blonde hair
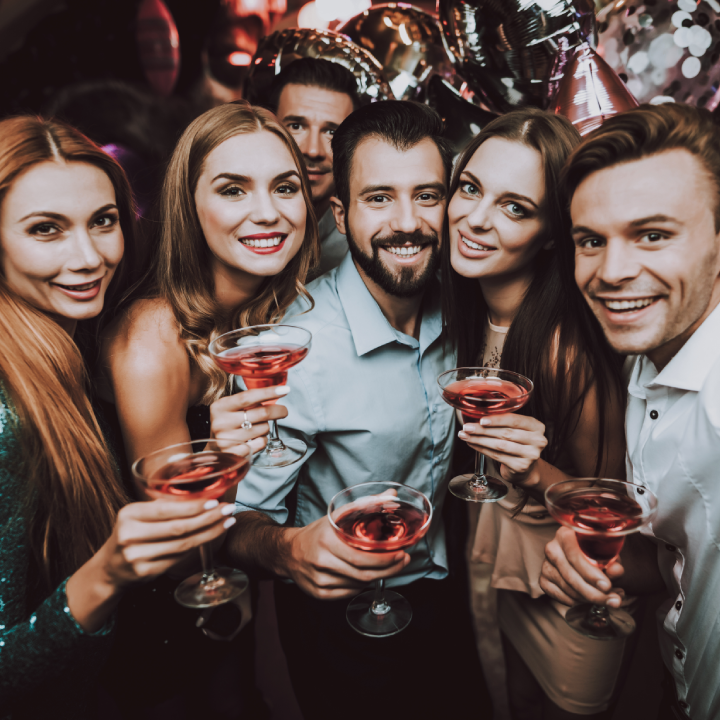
(181,271)
(72,489)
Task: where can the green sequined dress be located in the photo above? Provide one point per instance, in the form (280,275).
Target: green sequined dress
(48,663)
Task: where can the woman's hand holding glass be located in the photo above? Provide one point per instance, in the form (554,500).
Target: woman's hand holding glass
(243,418)
(514,442)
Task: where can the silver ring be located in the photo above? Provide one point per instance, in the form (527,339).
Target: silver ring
(246,423)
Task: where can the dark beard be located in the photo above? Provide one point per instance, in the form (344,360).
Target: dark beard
(410,281)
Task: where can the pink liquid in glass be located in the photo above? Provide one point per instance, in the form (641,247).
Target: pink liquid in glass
(385,525)
(477,397)
(603,511)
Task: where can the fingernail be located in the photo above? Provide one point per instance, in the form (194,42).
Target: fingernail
(604,585)
(463,435)
(210,504)
(282,390)
(614,602)
(228,510)
(467,427)
(229,522)
(485,421)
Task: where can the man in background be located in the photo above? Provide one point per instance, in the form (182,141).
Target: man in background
(311,98)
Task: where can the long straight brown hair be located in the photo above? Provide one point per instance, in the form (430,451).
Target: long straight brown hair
(554,339)
(72,490)
(181,270)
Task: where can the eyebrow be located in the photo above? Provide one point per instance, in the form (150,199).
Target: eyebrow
(633,224)
(515,196)
(245,179)
(59,216)
(440,187)
(302,119)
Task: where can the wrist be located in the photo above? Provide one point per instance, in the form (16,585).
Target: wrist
(532,479)
(286,545)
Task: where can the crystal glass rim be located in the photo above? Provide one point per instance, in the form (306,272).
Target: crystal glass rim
(526,391)
(393,485)
(590,482)
(212,345)
(241,458)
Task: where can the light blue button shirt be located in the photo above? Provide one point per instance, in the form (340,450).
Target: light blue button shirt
(366,402)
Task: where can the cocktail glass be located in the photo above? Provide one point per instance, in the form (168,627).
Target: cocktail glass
(262,356)
(601,512)
(380,517)
(197,470)
(477,392)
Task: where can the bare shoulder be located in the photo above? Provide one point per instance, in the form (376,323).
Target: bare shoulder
(146,332)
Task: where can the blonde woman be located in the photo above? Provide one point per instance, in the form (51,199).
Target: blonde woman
(69,550)
(237,236)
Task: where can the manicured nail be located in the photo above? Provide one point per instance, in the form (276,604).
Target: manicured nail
(229,523)
(228,510)
(463,435)
(604,585)
(485,421)
(210,504)
(614,602)
(282,390)
(467,427)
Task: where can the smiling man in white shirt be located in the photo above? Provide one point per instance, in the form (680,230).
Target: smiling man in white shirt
(645,197)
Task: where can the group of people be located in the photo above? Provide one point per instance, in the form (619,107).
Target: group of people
(590,266)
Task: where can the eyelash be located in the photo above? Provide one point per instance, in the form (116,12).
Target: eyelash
(53,228)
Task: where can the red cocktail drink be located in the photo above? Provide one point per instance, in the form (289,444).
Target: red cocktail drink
(202,476)
(477,392)
(379,517)
(601,513)
(198,470)
(383,525)
(262,356)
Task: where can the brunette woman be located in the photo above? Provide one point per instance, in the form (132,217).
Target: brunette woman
(511,302)
(237,236)
(69,550)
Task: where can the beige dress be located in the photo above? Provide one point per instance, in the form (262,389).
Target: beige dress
(578,674)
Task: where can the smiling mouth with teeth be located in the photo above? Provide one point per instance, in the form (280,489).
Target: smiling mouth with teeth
(80,288)
(404,250)
(476,246)
(627,305)
(263,242)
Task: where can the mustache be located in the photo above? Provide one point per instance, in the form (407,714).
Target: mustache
(400,238)
(314,168)
(629,290)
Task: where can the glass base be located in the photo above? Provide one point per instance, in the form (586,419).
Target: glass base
(293,451)
(225,585)
(363,620)
(614,624)
(464,488)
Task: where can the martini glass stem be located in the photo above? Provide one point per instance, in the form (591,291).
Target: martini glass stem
(380,605)
(274,443)
(478,479)
(209,576)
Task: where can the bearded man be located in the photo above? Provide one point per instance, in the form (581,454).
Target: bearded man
(366,403)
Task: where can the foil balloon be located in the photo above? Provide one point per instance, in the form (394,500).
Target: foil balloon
(461,119)
(664,51)
(406,41)
(591,91)
(158,43)
(506,49)
(278,50)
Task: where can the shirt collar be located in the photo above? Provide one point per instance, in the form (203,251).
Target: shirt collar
(369,327)
(689,368)
(326,224)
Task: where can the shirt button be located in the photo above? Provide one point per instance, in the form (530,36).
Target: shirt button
(683,704)
(678,654)
(678,604)
(653,414)
(670,548)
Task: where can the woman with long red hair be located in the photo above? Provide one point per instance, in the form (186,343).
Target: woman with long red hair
(70,546)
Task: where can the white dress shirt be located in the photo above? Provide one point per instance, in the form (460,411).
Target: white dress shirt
(673,436)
